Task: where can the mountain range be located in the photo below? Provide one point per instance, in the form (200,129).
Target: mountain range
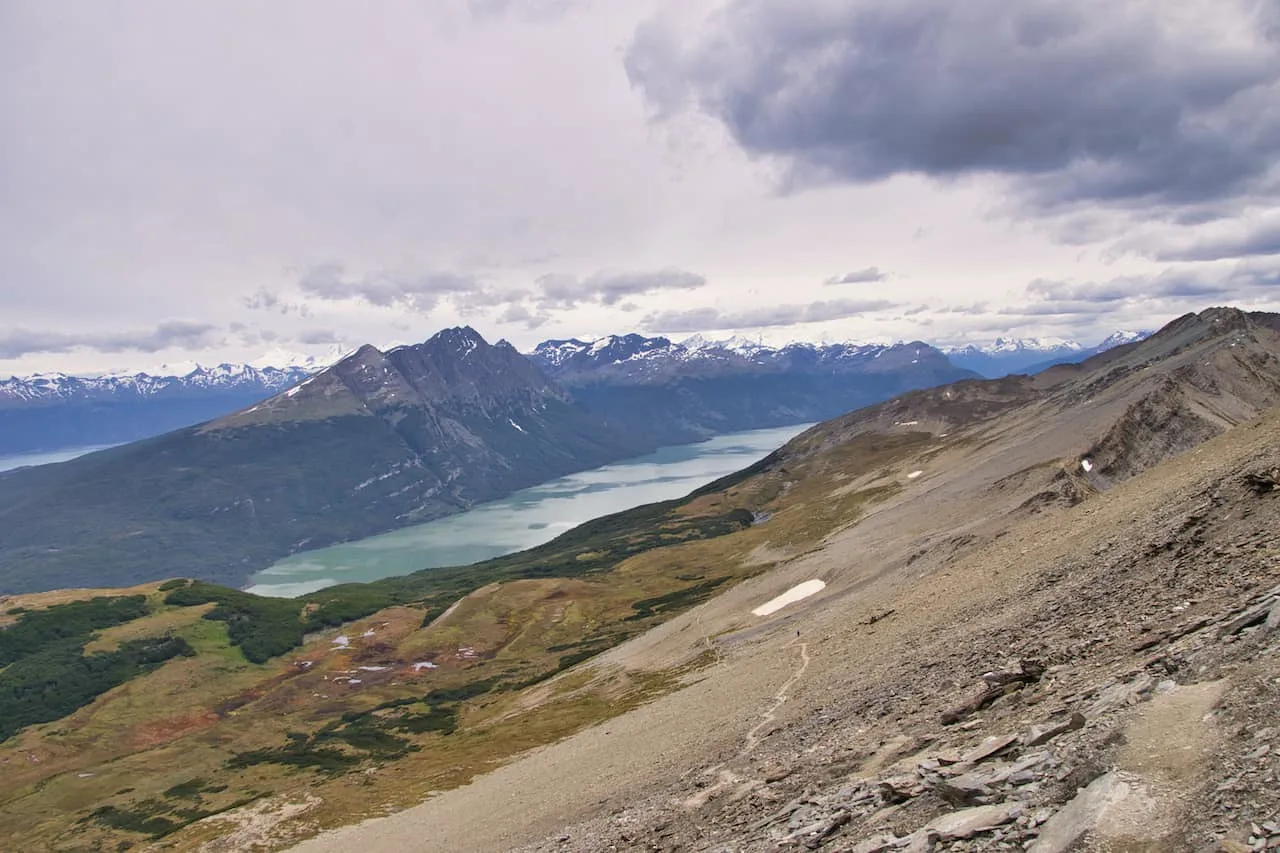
(1030,355)
(52,411)
(1034,612)
(375,442)
(382,440)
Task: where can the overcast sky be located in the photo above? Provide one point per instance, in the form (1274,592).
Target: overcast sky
(212,181)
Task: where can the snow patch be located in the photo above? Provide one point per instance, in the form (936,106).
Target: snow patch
(914,474)
(791,596)
(516,425)
(424,664)
(342,641)
(1086,465)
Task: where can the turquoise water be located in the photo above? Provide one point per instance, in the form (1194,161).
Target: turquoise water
(527,518)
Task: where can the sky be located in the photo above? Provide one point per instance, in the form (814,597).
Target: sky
(192,181)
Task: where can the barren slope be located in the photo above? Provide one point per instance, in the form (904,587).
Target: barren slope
(861,713)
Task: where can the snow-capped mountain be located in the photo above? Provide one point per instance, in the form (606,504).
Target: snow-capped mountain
(48,411)
(1004,356)
(698,387)
(43,387)
(635,358)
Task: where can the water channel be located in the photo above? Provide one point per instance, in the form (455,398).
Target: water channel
(527,518)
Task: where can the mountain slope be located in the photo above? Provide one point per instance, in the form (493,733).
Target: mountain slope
(1002,628)
(983,587)
(375,442)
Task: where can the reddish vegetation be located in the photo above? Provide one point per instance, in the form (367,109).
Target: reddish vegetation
(156,732)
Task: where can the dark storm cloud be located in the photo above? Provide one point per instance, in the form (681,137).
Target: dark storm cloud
(332,282)
(701,319)
(1114,101)
(869,275)
(612,287)
(171,334)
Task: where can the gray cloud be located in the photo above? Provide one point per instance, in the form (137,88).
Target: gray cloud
(612,287)
(1182,286)
(867,275)
(312,337)
(171,334)
(331,281)
(1258,240)
(701,319)
(517,313)
(526,10)
(1089,101)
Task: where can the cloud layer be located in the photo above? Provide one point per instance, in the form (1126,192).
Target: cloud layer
(1119,102)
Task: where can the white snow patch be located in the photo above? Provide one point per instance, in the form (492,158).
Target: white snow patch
(906,423)
(516,425)
(424,664)
(342,641)
(374,668)
(796,593)
(1086,465)
(368,633)
(914,474)
(294,390)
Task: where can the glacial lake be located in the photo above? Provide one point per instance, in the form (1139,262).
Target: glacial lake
(525,519)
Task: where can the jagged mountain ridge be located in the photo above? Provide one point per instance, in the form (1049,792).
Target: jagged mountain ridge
(1031,355)
(378,441)
(60,386)
(52,411)
(637,359)
(685,391)
(49,411)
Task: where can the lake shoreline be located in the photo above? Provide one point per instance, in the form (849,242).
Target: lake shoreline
(525,519)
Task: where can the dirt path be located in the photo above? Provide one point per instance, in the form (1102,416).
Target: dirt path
(727,778)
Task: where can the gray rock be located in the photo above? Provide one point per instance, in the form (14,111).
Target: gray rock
(967,823)
(876,844)
(965,790)
(1121,695)
(991,746)
(1045,732)
(1061,832)
(1250,617)
(921,841)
